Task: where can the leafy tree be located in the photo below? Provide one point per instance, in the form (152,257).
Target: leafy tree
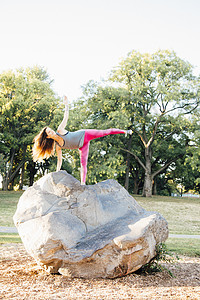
(154,96)
(103,108)
(161,91)
(105,161)
(183,178)
(27,103)
(193,153)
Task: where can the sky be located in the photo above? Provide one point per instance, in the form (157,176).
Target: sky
(81,40)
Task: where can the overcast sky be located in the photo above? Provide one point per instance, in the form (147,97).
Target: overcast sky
(81,40)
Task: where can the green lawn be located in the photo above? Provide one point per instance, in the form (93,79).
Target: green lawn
(9,238)
(182,215)
(8,205)
(190,247)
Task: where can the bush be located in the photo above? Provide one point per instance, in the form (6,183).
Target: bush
(163,255)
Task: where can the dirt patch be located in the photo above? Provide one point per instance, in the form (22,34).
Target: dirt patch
(21,278)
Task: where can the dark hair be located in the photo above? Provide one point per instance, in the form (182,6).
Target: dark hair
(43,147)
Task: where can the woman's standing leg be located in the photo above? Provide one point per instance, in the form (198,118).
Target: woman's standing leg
(84,151)
(91,134)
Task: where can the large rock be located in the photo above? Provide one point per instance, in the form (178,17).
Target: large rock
(87,231)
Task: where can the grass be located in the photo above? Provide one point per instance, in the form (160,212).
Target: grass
(181,246)
(8,205)
(182,215)
(9,238)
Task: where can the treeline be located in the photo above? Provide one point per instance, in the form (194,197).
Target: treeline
(155,95)
(27,103)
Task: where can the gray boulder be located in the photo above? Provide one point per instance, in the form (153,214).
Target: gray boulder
(87,231)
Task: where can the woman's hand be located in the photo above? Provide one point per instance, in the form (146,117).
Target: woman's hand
(66,102)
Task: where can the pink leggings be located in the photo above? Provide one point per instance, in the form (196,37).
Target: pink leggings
(91,134)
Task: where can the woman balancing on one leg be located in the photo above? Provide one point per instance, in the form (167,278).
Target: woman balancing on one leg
(45,141)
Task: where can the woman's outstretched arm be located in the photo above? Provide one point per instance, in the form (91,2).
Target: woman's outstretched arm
(61,127)
(59,158)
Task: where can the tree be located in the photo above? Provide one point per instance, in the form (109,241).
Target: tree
(161,91)
(94,110)
(155,96)
(193,153)
(103,107)
(27,103)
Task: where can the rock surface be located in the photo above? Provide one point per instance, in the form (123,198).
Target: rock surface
(87,231)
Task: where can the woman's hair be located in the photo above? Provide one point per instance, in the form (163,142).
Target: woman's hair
(43,147)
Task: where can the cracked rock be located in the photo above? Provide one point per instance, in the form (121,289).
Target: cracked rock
(87,231)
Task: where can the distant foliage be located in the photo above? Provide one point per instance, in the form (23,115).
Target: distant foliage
(27,103)
(156,95)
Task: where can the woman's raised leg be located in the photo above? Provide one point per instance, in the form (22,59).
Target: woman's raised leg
(91,134)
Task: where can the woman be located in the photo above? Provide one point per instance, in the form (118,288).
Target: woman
(45,141)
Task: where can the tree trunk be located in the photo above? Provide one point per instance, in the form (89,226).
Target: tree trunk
(21,181)
(135,187)
(128,158)
(10,176)
(147,190)
(23,169)
(6,180)
(135,177)
(154,187)
(32,172)
(148,180)
(5,184)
